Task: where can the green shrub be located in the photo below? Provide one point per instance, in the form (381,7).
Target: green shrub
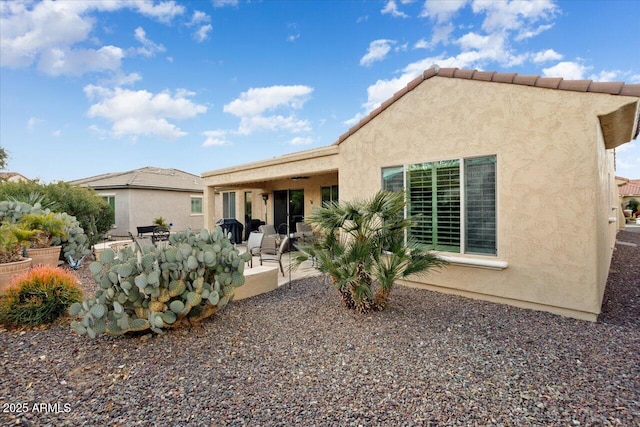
(39,296)
(92,212)
(189,279)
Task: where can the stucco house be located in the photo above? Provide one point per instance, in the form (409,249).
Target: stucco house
(138,196)
(512,176)
(628,189)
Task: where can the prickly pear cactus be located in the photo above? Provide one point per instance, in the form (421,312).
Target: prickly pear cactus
(161,287)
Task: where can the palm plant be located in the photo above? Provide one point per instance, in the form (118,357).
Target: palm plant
(44,226)
(12,237)
(362,247)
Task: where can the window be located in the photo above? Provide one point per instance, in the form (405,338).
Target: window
(453,202)
(248,205)
(196,205)
(111,200)
(229,204)
(329,195)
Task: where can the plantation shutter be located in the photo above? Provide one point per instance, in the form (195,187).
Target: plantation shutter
(434,198)
(480,205)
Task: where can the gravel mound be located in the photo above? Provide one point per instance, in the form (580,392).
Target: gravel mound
(296,356)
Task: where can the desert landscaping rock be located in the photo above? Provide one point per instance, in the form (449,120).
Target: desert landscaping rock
(296,356)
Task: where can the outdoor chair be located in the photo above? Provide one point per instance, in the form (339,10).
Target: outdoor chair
(269,254)
(254,243)
(303,231)
(160,234)
(268,230)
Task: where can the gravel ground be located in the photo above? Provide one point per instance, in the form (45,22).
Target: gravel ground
(295,356)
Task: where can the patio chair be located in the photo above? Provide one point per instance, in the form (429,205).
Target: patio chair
(254,243)
(160,234)
(268,230)
(303,231)
(268,254)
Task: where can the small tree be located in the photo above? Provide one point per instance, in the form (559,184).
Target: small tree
(362,248)
(3,158)
(633,205)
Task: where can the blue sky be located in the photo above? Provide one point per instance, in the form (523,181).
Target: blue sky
(106,86)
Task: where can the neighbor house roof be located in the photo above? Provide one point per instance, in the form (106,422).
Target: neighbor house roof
(630,188)
(144,178)
(558,83)
(13,176)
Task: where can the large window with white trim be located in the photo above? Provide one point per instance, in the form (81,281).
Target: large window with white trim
(452,201)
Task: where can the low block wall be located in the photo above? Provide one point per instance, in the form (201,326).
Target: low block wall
(257,280)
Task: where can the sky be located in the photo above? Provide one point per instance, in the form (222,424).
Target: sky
(93,87)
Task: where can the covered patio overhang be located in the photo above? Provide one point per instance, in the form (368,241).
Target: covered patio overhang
(267,181)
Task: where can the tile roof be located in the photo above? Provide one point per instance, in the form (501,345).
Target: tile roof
(612,88)
(145,178)
(631,188)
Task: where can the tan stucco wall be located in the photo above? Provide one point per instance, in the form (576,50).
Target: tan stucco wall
(553,191)
(138,207)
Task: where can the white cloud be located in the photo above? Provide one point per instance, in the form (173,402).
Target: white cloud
(421,44)
(121,79)
(391,8)
(224,3)
(79,61)
(567,70)
(547,55)
(56,133)
(33,122)
(301,140)
(48,33)
(270,109)
(442,11)
(141,112)
(215,138)
(378,50)
(164,11)
(203,33)
(521,16)
(199,17)
(149,48)
(256,101)
(607,76)
(202,21)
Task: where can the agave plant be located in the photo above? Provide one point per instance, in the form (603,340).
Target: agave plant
(363,248)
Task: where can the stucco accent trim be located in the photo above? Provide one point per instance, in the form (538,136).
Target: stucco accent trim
(330,150)
(620,126)
(474,262)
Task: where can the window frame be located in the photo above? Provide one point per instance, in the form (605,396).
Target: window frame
(107,197)
(228,205)
(463,248)
(201,200)
(334,194)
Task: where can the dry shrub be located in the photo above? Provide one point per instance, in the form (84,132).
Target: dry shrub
(39,296)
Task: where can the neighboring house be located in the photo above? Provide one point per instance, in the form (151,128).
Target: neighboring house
(13,177)
(628,189)
(512,178)
(140,195)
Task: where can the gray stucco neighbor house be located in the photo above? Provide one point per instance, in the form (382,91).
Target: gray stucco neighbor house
(140,195)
